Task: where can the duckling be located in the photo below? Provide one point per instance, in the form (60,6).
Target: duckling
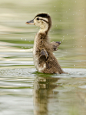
(44,59)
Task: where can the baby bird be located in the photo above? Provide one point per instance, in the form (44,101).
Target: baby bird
(44,60)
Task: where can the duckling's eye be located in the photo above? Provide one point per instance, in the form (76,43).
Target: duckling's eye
(37,18)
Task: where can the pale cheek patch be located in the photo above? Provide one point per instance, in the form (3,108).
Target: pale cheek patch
(44,27)
(37,23)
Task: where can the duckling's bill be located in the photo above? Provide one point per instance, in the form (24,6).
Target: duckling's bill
(30,22)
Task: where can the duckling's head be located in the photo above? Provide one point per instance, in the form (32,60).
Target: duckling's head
(42,20)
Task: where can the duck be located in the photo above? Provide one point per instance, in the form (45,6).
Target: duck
(44,59)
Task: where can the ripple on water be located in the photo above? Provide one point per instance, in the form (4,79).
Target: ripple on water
(26,72)
(20,86)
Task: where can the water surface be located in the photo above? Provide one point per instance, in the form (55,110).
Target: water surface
(24,91)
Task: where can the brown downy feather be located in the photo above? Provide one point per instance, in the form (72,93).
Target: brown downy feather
(47,57)
(55,45)
(44,59)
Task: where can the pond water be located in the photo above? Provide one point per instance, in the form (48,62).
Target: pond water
(24,91)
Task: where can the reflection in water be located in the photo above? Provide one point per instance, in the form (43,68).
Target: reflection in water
(55,96)
(43,92)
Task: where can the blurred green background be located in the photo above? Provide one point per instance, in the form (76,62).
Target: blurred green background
(24,91)
(69,27)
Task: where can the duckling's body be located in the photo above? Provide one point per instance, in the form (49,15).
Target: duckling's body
(44,59)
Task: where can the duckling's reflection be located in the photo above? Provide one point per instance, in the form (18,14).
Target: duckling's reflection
(43,90)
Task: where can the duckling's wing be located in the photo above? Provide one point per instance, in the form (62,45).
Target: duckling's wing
(43,53)
(55,45)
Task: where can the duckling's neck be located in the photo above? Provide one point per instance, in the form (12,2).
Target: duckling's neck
(44,29)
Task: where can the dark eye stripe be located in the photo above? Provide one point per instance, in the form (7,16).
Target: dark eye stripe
(44,20)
